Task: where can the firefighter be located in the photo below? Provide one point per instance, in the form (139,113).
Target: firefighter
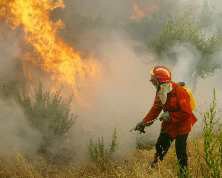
(177,117)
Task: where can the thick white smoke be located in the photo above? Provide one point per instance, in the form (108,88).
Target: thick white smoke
(121,98)
(186,60)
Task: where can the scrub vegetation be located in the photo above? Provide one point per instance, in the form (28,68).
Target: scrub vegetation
(205,157)
(51,118)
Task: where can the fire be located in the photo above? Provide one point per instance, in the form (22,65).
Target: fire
(54,56)
(140,12)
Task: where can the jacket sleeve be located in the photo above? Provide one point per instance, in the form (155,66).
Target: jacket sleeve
(184,106)
(154,111)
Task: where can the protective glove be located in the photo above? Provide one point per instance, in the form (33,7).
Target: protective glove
(165,116)
(141,126)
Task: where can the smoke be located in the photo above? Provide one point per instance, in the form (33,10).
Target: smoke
(9,50)
(86,20)
(186,60)
(116,11)
(121,98)
(17,136)
(123,95)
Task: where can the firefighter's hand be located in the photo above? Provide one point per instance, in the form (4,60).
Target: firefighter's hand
(140,127)
(165,116)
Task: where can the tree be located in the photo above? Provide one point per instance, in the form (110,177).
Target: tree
(184,30)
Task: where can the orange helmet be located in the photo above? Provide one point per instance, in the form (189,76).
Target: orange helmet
(161,73)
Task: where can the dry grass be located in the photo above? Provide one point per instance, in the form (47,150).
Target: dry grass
(136,166)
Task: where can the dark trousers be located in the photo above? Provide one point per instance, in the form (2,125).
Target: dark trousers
(163,144)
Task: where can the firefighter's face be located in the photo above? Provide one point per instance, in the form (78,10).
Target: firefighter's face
(154,81)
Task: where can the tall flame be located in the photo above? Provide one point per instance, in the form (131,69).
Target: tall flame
(54,55)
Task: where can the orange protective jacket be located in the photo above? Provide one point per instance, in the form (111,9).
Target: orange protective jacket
(178,105)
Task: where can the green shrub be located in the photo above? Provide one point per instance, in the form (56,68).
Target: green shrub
(99,154)
(212,141)
(50,115)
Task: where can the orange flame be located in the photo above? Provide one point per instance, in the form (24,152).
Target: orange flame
(140,12)
(55,56)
